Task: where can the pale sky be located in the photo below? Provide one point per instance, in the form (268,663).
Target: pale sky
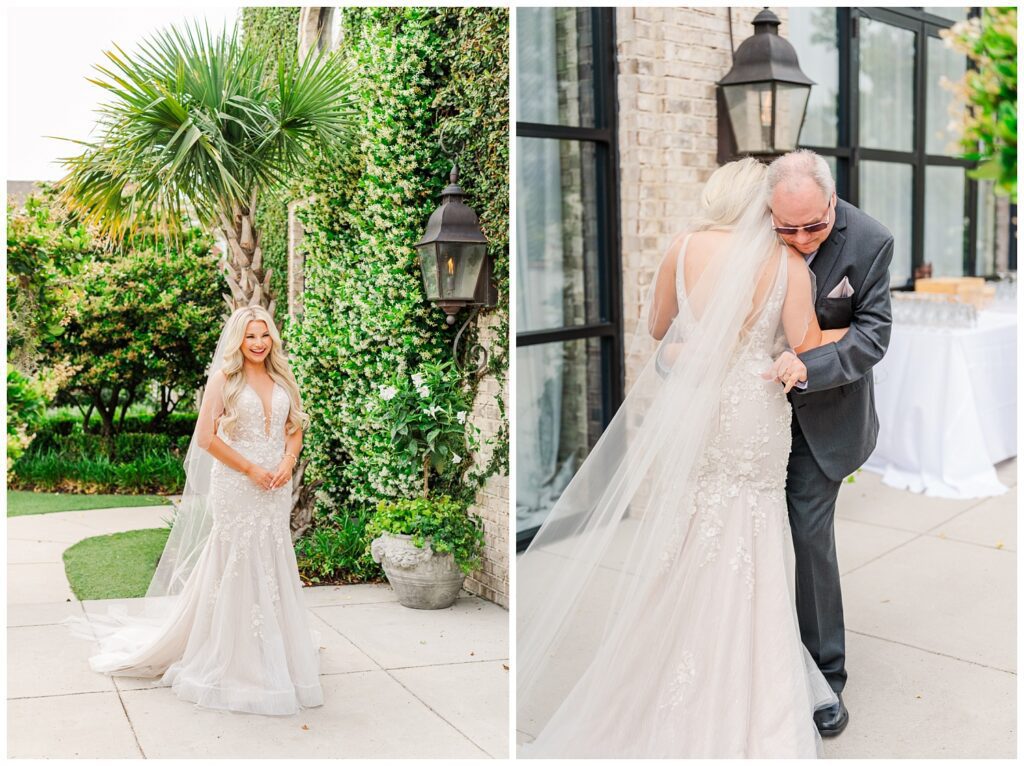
(50,52)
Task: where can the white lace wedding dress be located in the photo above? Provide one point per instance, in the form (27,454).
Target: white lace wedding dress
(237,637)
(717,639)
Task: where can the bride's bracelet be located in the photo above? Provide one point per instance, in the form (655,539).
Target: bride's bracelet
(294,459)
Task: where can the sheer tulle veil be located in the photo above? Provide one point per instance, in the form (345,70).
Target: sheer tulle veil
(191,525)
(581,584)
(192,518)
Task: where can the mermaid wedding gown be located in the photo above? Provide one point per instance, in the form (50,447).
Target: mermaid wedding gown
(712,664)
(237,637)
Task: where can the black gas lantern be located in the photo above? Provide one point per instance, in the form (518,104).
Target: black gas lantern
(457,269)
(763,99)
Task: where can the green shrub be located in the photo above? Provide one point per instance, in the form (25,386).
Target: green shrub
(441,521)
(336,551)
(152,473)
(26,405)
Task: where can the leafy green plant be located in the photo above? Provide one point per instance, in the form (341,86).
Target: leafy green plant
(990,91)
(336,550)
(427,413)
(26,405)
(441,522)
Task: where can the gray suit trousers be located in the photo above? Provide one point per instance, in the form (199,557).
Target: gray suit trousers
(811,497)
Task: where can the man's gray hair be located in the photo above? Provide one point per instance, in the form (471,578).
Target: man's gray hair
(803,163)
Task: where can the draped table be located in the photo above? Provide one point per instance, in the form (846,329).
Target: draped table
(947,407)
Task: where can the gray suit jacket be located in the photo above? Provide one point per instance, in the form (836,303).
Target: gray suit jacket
(836,412)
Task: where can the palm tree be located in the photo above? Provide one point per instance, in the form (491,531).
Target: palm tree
(204,125)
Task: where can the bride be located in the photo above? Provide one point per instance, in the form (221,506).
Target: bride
(656,601)
(223,622)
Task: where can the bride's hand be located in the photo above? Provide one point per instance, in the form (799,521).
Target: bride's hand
(282,474)
(261,477)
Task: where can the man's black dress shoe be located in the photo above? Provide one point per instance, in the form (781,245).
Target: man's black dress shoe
(832,720)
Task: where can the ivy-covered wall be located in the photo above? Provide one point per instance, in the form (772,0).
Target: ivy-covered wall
(365,318)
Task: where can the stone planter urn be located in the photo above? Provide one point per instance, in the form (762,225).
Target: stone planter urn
(422,579)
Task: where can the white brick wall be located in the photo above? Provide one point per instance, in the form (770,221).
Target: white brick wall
(493,500)
(669,60)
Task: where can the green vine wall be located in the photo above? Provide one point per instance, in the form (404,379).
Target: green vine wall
(365,319)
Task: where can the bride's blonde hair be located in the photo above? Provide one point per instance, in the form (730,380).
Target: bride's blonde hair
(276,364)
(730,192)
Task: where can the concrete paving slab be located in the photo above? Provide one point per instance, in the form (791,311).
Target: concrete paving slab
(909,703)
(42,527)
(340,595)
(35,551)
(37,583)
(953,598)
(45,660)
(870,501)
(472,697)
(993,523)
(104,521)
(470,630)
(337,653)
(21,615)
(859,543)
(74,726)
(365,715)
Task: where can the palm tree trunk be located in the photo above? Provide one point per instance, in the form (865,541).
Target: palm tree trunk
(247,280)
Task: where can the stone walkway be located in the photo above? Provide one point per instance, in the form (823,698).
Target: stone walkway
(399,683)
(930,600)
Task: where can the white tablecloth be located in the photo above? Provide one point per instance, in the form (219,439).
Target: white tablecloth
(947,407)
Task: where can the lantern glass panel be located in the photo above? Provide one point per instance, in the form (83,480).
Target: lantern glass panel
(459,269)
(791,101)
(750,112)
(428,265)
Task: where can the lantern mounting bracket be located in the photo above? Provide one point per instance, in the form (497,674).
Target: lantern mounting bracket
(476,351)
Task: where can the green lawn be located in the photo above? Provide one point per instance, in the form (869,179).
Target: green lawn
(26,503)
(114,566)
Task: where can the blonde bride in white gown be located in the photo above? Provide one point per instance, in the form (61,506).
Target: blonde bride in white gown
(656,615)
(223,622)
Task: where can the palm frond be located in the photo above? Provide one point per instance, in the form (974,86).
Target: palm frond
(192,119)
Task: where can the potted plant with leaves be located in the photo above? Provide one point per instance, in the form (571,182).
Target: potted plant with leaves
(427,545)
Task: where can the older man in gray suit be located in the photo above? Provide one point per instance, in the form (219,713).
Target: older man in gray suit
(834,421)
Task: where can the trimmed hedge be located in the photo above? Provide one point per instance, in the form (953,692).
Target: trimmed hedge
(62,457)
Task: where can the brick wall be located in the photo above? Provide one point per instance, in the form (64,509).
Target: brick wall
(668,60)
(492,502)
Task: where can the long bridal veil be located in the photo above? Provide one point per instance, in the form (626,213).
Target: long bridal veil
(584,584)
(125,626)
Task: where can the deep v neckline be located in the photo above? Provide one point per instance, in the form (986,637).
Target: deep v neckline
(267,417)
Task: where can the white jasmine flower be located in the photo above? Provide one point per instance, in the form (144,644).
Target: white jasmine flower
(423,391)
(417,379)
(432,410)
(456,459)
(461,416)
(387,393)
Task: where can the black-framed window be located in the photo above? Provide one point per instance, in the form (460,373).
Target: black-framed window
(880,115)
(569,374)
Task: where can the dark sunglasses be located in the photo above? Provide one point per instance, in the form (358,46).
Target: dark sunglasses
(813,228)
